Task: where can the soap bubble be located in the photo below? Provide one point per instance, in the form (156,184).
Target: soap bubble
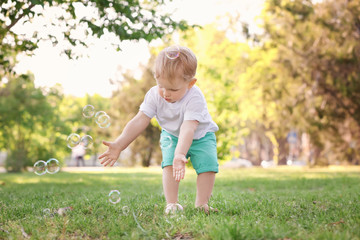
(165,142)
(125,210)
(114,196)
(88,111)
(53,166)
(73,140)
(98,114)
(87,141)
(102,119)
(172,52)
(40,167)
(46,212)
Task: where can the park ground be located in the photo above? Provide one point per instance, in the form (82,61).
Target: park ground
(254,203)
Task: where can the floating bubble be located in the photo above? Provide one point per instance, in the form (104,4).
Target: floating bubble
(88,111)
(104,121)
(99,117)
(172,52)
(114,196)
(46,212)
(73,140)
(104,125)
(87,141)
(52,166)
(40,167)
(165,142)
(125,210)
(98,114)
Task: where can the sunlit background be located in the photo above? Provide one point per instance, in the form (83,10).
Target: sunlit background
(101,61)
(281,78)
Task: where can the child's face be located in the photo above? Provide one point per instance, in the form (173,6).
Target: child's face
(175,90)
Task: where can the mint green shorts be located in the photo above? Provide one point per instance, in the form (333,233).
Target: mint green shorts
(202,152)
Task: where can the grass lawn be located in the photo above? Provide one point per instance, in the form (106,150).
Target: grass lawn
(255,203)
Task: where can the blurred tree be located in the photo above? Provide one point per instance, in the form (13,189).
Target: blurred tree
(319,49)
(29,121)
(233,76)
(125,105)
(72,115)
(220,65)
(74,22)
(126,20)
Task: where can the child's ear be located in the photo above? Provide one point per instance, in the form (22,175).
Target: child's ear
(192,83)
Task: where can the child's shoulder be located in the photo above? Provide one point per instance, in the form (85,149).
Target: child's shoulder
(153,88)
(152,91)
(196,91)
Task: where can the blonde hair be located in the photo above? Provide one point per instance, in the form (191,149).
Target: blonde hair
(183,63)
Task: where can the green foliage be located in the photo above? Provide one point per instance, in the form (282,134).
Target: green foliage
(302,73)
(30,116)
(72,113)
(125,105)
(234,79)
(29,122)
(35,122)
(127,20)
(318,50)
(253,204)
(218,78)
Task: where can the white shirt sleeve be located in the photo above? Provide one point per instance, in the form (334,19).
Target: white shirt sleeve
(148,106)
(196,109)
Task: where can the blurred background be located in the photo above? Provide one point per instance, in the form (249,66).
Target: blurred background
(281,77)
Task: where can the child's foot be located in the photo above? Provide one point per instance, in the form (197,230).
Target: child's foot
(173,207)
(207,209)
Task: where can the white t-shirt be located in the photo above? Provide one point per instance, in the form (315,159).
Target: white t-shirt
(170,116)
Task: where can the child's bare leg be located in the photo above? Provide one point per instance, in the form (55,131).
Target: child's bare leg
(170,186)
(205,183)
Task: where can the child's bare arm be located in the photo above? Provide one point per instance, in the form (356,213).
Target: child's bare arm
(186,135)
(132,129)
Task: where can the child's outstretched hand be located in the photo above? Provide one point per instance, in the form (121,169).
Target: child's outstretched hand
(111,155)
(179,167)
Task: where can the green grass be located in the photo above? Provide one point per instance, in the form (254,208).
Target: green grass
(254,203)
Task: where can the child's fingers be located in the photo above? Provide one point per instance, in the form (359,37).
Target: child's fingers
(109,161)
(178,174)
(106,143)
(175,174)
(104,160)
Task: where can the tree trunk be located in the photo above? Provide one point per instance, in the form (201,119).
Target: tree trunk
(146,159)
(282,150)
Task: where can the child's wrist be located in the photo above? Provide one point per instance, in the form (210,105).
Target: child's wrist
(180,156)
(119,145)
